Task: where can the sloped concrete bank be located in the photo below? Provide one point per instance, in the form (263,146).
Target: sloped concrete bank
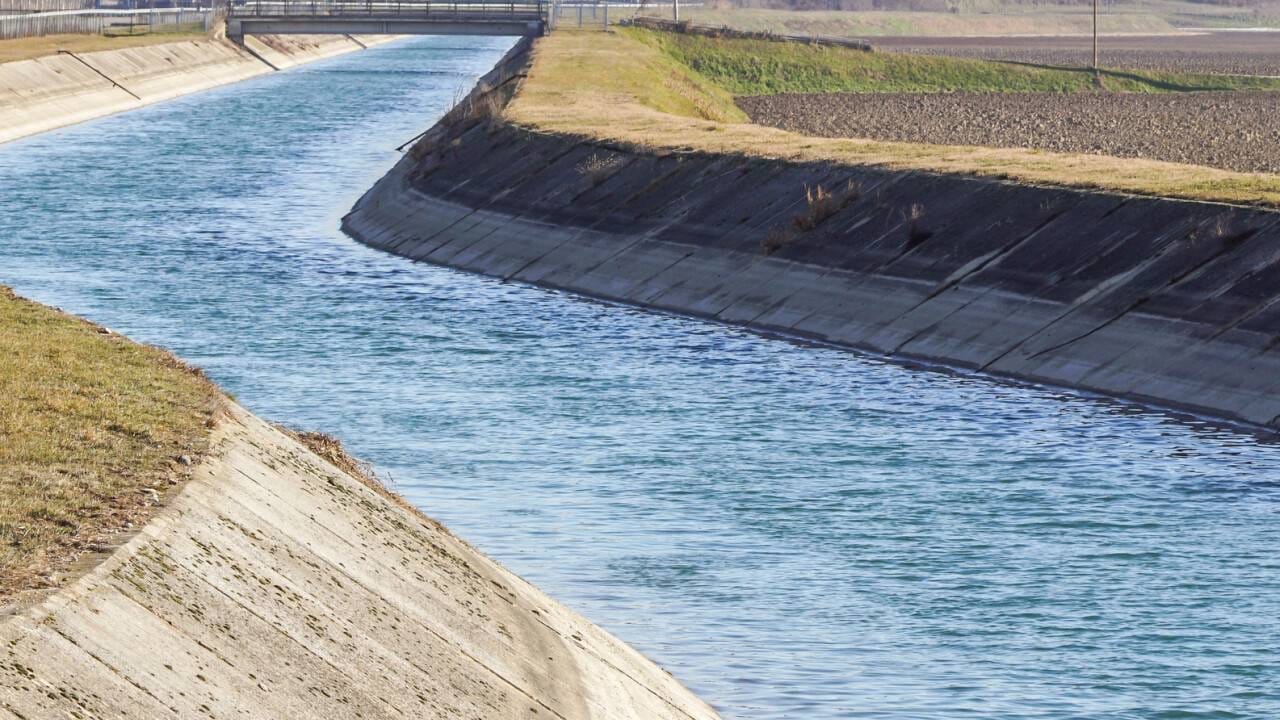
(275,585)
(1167,302)
(54,91)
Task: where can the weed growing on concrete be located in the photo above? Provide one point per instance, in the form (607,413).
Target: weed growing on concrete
(916,233)
(1221,226)
(823,203)
(598,168)
(820,205)
(776,239)
(484,107)
(330,448)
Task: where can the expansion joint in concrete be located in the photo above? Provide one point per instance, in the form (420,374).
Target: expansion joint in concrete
(244,45)
(113,670)
(105,76)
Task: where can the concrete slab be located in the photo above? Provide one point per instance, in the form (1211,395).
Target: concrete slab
(276,586)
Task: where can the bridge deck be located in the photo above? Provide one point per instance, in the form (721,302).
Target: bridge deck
(392,17)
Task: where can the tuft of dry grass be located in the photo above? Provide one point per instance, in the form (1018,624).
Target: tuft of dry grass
(332,450)
(916,232)
(598,168)
(776,239)
(94,431)
(608,87)
(820,205)
(485,107)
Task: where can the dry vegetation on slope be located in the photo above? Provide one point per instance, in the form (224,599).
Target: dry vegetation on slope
(612,87)
(34,47)
(94,431)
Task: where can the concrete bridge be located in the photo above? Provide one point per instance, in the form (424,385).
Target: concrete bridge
(386,17)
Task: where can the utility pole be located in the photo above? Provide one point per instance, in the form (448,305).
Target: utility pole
(675,10)
(1095,36)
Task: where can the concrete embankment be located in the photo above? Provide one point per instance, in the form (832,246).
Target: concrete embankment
(274,585)
(1163,301)
(58,90)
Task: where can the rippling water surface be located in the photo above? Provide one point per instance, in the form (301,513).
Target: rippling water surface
(793,531)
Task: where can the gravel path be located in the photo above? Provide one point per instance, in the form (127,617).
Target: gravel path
(1232,53)
(1234,131)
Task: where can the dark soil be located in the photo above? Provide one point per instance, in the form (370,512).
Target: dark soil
(1231,53)
(1234,131)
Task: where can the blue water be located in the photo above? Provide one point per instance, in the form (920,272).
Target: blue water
(794,532)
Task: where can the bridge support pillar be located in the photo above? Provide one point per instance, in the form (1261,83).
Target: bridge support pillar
(235,31)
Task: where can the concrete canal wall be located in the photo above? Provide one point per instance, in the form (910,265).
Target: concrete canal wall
(274,585)
(58,90)
(1161,301)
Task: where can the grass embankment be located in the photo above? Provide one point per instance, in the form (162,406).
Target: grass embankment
(881,23)
(979,18)
(94,429)
(586,73)
(764,67)
(623,88)
(29,48)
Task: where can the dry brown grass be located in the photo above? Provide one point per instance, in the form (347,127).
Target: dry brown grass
(820,205)
(28,48)
(598,168)
(604,86)
(94,431)
(331,449)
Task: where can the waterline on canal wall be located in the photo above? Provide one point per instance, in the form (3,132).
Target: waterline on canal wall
(275,583)
(278,585)
(1166,302)
(793,531)
(55,91)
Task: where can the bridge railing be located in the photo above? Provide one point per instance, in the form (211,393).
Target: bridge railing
(444,9)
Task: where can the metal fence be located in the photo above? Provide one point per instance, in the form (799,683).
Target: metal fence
(27,7)
(602,13)
(580,14)
(99,22)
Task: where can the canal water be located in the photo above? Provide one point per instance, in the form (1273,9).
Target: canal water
(794,532)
